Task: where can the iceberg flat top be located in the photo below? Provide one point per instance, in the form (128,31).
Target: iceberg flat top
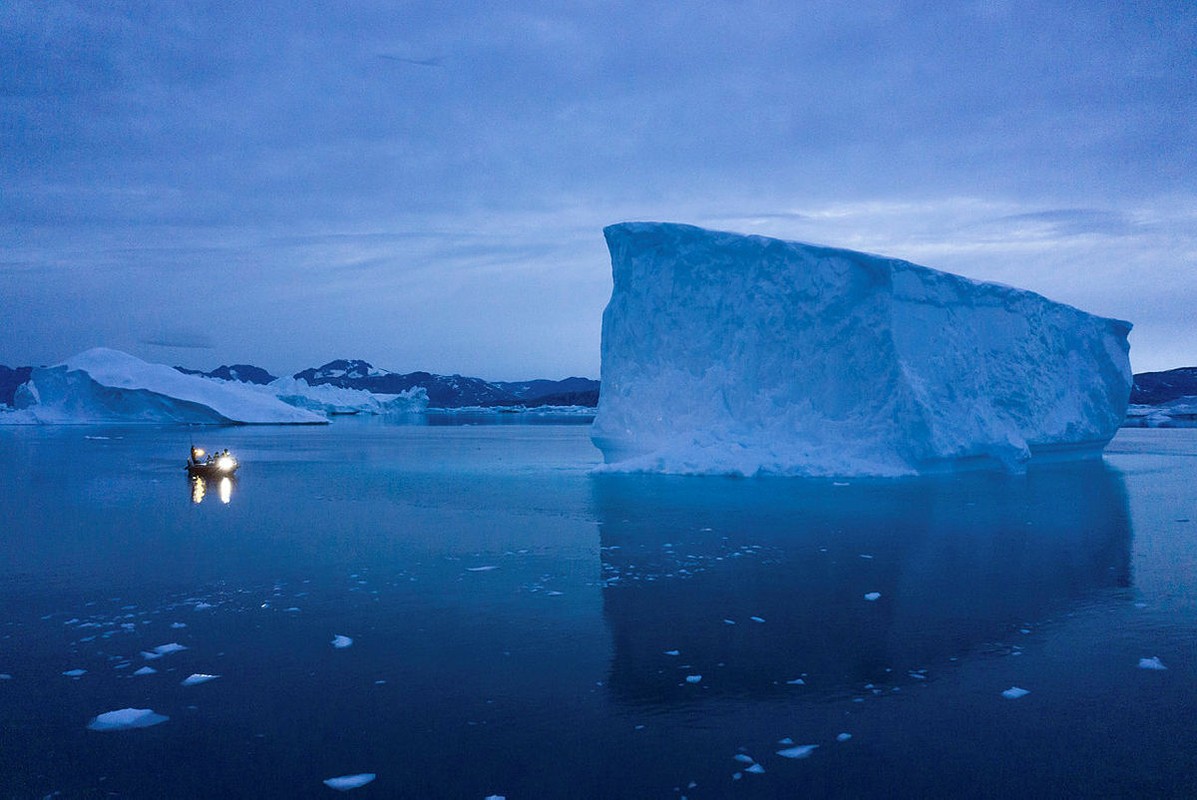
(725,353)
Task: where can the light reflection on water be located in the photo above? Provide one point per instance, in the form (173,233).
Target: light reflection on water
(961,564)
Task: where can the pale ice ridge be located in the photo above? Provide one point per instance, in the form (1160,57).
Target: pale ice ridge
(724,353)
(103,385)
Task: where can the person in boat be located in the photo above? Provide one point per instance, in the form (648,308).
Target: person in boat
(196,454)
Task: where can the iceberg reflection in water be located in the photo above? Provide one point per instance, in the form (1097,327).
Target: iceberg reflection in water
(765,585)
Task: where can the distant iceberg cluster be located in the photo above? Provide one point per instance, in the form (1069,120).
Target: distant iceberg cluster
(104,386)
(724,353)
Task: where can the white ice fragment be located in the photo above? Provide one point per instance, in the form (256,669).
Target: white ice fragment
(496,797)
(744,758)
(486,568)
(693,678)
(200,606)
(801,751)
(729,622)
(197,678)
(1013,693)
(866,555)
(347,782)
(145,671)
(872,596)
(4,676)
(796,682)
(843,737)
(756,769)
(756,619)
(737,776)
(340,642)
(672,652)
(167,649)
(1151,663)
(786,740)
(75,673)
(126,718)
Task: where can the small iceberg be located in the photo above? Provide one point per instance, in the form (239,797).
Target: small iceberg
(1013,693)
(145,671)
(198,678)
(341,642)
(1144,663)
(693,678)
(126,718)
(347,782)
(801,751)
(873,596)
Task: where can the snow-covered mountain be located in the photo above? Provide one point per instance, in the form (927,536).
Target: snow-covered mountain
(1158,388)
(449,391)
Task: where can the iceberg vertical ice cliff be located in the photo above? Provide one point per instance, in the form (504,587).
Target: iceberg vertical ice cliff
(724,353)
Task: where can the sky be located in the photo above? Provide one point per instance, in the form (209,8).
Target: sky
(424,184)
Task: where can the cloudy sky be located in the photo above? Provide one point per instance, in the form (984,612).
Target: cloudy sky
(424,184)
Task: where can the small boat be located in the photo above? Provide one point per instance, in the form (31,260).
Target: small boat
(211,465)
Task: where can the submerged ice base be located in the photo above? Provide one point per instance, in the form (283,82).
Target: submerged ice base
(724,353)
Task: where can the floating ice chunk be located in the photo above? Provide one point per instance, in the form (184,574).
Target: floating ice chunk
(177,625)
(347,782)
(756,769)
(801,751)
(340,642)
(145,671)
(126,718)
(786,740)
(737,776)
(673,652)
(756,619)
(197,678)
(4,676)
(781,357)
(872,596)
(729,622)
(486,568)
(200,606)
(75,673)
(496,797)
(796,682)
(164,650)
(1144,663)
(693,678)
(744,758)
(843,737)
(1013,693)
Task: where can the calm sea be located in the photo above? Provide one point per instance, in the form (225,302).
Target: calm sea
(520,626)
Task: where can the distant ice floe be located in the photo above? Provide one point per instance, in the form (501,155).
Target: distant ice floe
(347,782)
(1144,663)
(162,650)
(756,769)
(146,671)
(693,678)
(843,737)
(198,678)
(126,718)
(486,568)
(800,751)
(75,673)
(1013,693)
(341,642)
(873,596)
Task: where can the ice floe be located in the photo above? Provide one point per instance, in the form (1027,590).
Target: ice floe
(756,769)
(126,718)
(1013,693)
(744,758)
(800,751)
(145,671)
(197,678)
(75,673)
(486,568)
(162,650)
(843,737)
(873,596)
(346,782)
(341,642)
(693,678)
(1144,663)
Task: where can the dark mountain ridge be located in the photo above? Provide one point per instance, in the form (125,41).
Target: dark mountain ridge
(1157,388)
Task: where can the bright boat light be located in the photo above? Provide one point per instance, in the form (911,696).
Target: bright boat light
(225,463)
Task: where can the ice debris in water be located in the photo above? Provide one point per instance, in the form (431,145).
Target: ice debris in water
(75,673)
(126,718)
(496,797)
(340,642)
(843,737)
(756,619)
(871,596)
(756,769)
(1144,663)
(672,652)
(346,782)
(162,650)
(1013,693)
(486,568)
(801,751)
(178,625)
(693,678)
(145,671)
(198,677)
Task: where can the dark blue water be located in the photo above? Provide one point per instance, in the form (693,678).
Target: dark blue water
(515,620)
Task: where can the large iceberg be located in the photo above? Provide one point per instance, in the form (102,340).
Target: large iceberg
(724,353)
(102,385)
